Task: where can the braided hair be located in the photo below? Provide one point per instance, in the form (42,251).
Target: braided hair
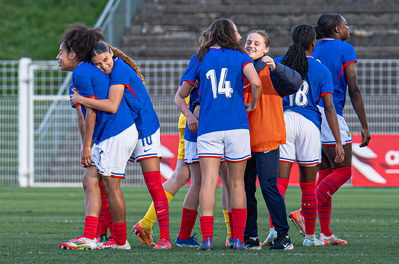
(326,25)
(81,40)
(221,33)
(102,47)
(295,58)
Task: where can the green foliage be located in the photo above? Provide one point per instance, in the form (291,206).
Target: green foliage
(33,28)
(34,220)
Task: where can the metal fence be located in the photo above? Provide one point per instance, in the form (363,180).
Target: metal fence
(56,140)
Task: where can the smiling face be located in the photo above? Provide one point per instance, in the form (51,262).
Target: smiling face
(256,46)
(67,61)
(104,62)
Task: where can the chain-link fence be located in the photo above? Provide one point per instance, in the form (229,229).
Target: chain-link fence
(56,140)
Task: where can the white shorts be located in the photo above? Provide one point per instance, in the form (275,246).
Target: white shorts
(327,137)
(303,140)
(149,147)
(191,152)
(234,145)
(111,155)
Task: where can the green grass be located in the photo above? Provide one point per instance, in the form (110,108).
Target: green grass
(33,221)
(33,28)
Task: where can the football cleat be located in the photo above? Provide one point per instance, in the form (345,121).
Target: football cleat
(162,243)
(206,245)
(269,241)
(298,220)
(252,243)
(332,240)
(189,242)
(312,241)
(82,243)
(282,242)
(144,234)
(238,245)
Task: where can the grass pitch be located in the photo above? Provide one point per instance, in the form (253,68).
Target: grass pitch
(33,221)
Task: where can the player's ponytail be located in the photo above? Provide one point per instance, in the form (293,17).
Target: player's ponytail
(295,58)
(118,53)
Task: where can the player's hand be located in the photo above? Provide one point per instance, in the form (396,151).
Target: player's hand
(85,156)
(340,153)
(192,123)
(75,97)
(269,61)
(249,107)
(365,137)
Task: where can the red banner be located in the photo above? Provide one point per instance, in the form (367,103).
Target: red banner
(376,165)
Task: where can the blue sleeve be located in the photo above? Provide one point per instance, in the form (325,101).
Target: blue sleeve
(119,75)
(285,80)
(83,84)
(349,53)
(246,59)
(190,74)
(327,83)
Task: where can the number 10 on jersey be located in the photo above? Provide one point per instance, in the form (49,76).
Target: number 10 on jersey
(224,87)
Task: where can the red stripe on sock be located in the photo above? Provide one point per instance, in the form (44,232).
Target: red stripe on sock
(332,182)
(309,205)
(154,185)
(102,228)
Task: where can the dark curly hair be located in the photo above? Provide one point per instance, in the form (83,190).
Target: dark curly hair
(81,40)
(326,24)
(221,32)
(295,58)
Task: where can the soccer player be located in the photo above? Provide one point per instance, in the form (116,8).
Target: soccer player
(181,175)
(124,73)
(340,58)
(191,201)
(223,127)
(267,119)
(114,137)
(303,122)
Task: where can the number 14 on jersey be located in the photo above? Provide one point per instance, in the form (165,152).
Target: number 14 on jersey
(223,87)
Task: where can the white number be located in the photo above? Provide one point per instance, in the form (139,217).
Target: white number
(301,98)
(224,87)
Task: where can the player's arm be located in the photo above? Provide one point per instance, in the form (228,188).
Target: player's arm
(357,102)
(192,121)
(285,80)
(253,78)
(81,121)
(110,105)
(332,120)
(185,89)
(85,154)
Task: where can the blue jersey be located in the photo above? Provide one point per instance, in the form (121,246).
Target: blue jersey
(316,84)
(336,55)
(91,82)
(188,134)
(147,122)
(221,89)
(70,87)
